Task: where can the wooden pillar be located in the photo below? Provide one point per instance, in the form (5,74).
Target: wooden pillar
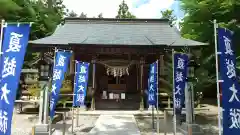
(161,73)
(72,63)
(162,68)
(137,70)
(93,82)
(141,83)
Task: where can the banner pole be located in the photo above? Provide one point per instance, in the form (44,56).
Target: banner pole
(174,110)
(50,127)
(217,76)
(1,38)
(72,117)
(54,61)
(77,111)
(153,118)
(77,116)
(157,98)
(74,86)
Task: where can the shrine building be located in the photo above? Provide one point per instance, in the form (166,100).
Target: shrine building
(119,52)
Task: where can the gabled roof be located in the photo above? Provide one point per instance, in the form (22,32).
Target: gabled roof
(107,31)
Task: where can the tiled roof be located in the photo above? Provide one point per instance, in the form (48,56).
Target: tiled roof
(108,31)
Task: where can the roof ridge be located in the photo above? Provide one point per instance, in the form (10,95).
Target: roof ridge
(78,19)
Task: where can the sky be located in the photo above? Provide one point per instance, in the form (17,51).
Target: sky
(109,8)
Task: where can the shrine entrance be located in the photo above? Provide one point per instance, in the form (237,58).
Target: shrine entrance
(117,85)
(119,52)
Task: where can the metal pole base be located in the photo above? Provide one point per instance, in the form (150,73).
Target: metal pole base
(191,129)
(151,107)
(41,129)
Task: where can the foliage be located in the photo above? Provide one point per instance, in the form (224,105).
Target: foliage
(72,14)
(168,14)
(123,12)
(166,83)
(198,25)
(82,15)
(100,15)
(45,17)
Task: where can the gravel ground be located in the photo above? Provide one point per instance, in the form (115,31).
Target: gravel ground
(21,124)
(86,123)
(206,122)
(146,127)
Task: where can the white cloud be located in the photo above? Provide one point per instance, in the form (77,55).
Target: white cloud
(109,8)
(152,9)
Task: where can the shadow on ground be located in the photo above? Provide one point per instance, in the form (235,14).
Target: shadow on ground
(207,123)
(145,124)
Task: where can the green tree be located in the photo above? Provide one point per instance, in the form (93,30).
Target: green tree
(100,15)
(168,14)
(123,12)
(82,15)
(44,18)
(72,14)
(197,25)
(204,79)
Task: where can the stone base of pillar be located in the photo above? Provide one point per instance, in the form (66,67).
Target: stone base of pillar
(194,128)
(83,108)
(150,107)
(41,129)
(141,105)
(93,104)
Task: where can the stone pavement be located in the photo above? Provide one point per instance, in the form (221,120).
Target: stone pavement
(115,125)
(135,112)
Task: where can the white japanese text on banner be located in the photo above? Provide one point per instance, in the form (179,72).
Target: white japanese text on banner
(14,47)
(152,84)
(230,86)
(180,75)
(62,59)
(81,83)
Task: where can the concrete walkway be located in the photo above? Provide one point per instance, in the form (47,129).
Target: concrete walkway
(115,125)
(137,112)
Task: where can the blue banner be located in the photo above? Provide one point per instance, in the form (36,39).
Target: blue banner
(230,86)
(152,84)
(61,63)
(81,83)
(14,47)
(180,75)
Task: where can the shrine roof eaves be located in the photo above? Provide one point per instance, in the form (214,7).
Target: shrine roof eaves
(110,31)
